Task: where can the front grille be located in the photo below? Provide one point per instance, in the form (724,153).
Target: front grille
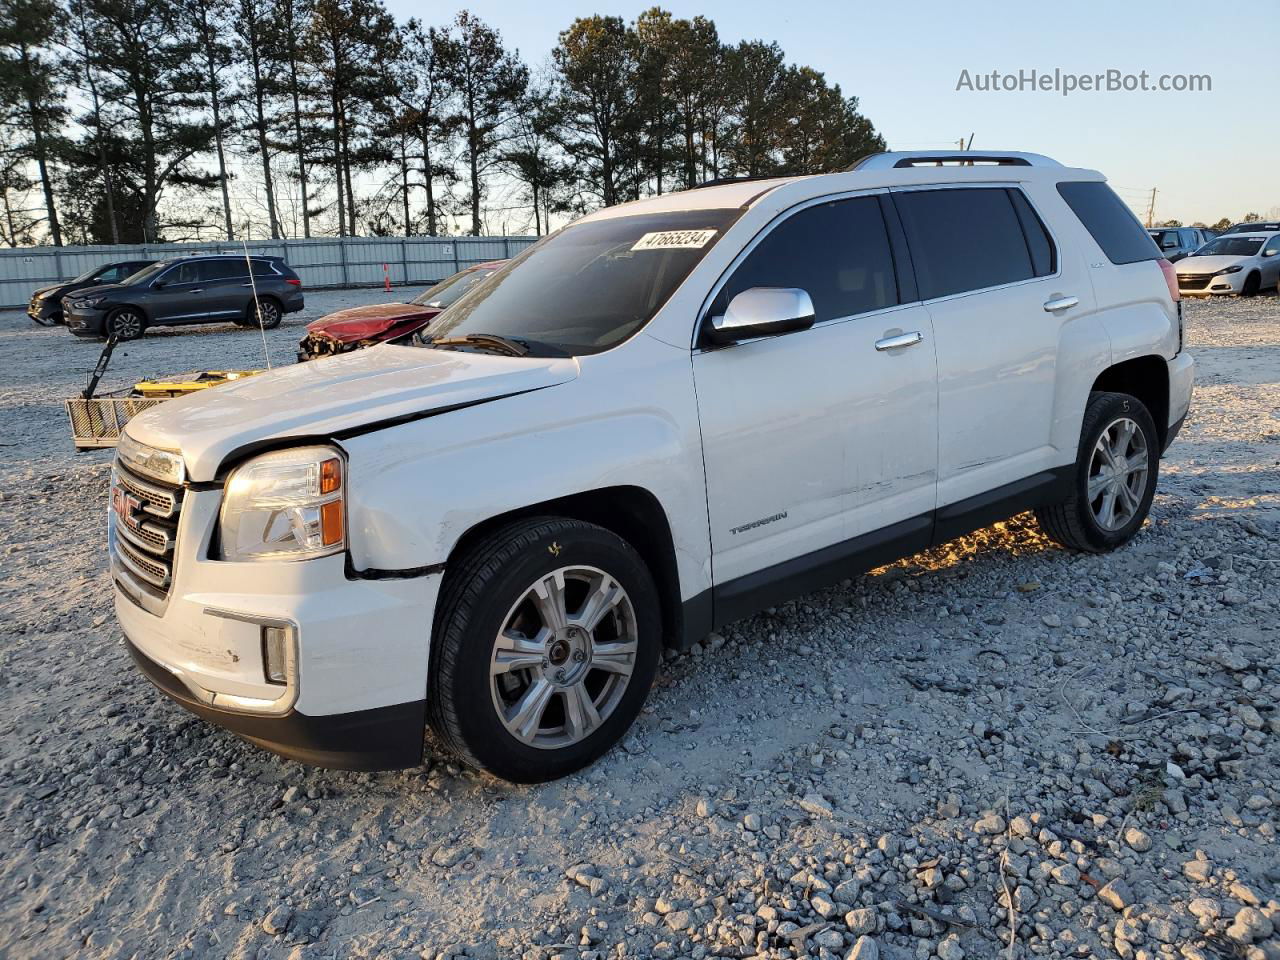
(146,528)
(1194,281)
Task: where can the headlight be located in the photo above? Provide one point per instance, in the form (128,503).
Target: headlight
(88,302)
(1236,269)
(286,505)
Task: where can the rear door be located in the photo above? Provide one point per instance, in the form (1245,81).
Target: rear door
(226,288)
(1001,299)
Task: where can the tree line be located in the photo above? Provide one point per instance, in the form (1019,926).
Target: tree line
(125,121)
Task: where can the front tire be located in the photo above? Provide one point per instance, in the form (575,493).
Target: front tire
(127,323)
(1117,466)
(1252,285)
(547,640)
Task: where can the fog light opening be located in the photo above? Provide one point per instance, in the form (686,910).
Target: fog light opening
(275,654)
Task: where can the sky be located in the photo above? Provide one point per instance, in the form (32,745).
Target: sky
(1208,154)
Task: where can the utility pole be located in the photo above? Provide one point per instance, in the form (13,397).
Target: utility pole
(1151,208)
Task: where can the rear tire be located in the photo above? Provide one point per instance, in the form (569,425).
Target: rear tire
(546,642)
(127,323)
(1117,466)
(270,311)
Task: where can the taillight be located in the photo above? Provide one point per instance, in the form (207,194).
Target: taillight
(1170,277)
(295,282)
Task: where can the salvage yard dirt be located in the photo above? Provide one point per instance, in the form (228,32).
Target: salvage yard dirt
(994,733)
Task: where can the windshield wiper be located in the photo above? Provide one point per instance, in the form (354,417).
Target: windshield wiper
(512,346)
(489,341)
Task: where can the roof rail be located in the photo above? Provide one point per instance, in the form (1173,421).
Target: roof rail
(924,158)
(721,181)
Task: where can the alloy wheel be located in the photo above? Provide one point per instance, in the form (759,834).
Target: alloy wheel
(563,658)
(127,325)
(1118,474)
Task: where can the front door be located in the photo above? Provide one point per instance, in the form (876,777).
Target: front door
(177,295)
(814,438)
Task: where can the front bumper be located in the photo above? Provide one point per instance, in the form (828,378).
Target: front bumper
(355,688)
(45,311)
(85,321)
(1227,284)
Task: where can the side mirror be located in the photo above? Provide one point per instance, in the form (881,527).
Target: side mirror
(158,284)
(1270,253)
(761,312)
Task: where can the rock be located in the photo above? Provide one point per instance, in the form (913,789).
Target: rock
(989,825)
(751,822)
(1021,826)
(1128,930)
(1233,597)
(1116,894)
(1249,717)
(888,845)
(1163,930)
(1066,874)
(705,807)
(865,949)
(1204,909)
(846,892)
(1197,870)
(829,939)
(1051,620)
(679,920)
(1232,660)
(1137,840)
(448,856)
(291,794)
(277,921)
(1245,894)
(949,948)
(1250,924)
(813,803)
(860,921)
(823,906)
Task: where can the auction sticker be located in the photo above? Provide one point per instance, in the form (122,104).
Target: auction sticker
(674,240)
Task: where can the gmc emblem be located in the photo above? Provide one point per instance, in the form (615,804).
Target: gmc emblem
(126,507)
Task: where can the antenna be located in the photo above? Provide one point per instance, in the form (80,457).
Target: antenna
(257,307)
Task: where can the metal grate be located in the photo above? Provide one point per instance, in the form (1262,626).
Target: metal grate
(98,422)
(146,529)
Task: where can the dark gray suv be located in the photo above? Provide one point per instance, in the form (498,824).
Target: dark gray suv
(207,289)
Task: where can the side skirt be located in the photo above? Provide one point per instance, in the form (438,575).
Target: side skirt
(785,581)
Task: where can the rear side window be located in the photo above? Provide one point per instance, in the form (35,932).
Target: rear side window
(965,239)
(1044,257)
(1115,228)
(223,269)
(837,252)
(262,268)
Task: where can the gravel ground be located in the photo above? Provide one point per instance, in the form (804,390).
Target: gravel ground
(993,741)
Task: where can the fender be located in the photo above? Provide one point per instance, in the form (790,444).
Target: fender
(416,488)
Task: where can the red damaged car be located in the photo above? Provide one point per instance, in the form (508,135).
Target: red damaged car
(359,327)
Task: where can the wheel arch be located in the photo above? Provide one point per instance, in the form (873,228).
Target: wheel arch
(635,515)
(1145,377)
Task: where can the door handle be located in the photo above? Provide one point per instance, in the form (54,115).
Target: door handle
(196,290)
(1060,303)
(901,340)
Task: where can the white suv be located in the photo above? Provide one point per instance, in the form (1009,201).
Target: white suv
(664,417)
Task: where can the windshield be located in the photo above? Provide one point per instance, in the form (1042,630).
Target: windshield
(1230,247)
(146,273)
(451,288)
(1254,226)
(590,286)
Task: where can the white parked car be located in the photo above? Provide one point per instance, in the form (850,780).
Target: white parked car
(1234,263)
(664,417)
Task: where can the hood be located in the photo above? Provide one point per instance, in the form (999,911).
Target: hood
(359,323)
(336,394)
(98,290)
(56,290)
(1207,264)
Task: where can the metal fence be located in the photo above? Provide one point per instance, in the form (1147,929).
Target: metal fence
(325,262)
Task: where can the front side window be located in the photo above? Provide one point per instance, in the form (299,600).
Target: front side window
(183,273)
(965,239)
(589,286)
(837,252)
(1273,245)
